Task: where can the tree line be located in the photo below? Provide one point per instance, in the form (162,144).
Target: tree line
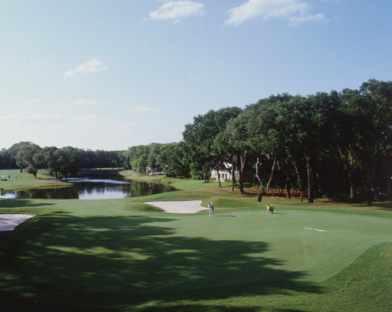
(168,158)
(60,162)
(336,144)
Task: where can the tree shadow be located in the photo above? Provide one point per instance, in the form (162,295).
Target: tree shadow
(375,206)
(22,203)
(60,192)
(107,264)
(211,308)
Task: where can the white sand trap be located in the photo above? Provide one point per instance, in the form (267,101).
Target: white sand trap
(9,221)
(179,206)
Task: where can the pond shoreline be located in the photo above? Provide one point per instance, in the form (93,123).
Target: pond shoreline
(87,188)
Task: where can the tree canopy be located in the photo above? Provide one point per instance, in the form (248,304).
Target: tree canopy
(336,144)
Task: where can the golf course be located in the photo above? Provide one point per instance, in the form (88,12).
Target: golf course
(125,255)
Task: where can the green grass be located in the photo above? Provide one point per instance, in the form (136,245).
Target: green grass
(123,255)
(25,180)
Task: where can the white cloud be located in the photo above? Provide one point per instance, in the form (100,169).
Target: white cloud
(92,66)
(70,74)
(29,117)
(296,20)
(139,109)
(84,102)
(175,10)
(294,11)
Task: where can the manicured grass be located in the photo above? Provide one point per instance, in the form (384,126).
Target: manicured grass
(25,180)
(123,255)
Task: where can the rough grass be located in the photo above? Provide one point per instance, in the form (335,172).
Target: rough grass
(119,255)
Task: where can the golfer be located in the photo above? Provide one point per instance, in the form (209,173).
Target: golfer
(270,208)
(211,206)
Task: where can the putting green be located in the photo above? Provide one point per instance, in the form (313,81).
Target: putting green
(148,253)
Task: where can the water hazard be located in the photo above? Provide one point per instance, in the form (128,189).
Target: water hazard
(85,188)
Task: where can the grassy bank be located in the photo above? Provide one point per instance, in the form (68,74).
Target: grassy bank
(17,180)
(122,255)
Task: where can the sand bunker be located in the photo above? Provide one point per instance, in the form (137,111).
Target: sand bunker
(179,206)
(9,221)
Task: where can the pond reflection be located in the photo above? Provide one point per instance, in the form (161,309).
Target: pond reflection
(84,188)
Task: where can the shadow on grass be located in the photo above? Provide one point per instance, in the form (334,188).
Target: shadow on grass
(210,308)
(63,263)
(21,203)
(375,206)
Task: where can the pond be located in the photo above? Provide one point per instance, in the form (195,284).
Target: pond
(85,188)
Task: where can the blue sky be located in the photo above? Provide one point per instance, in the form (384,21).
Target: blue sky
(98,74)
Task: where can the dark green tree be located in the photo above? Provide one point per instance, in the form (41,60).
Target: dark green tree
(199,140)
(28,156)
(69,163)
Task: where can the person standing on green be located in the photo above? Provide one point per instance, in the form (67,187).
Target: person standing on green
(211,206)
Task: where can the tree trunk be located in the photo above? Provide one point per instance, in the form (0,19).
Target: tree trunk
(389,185)
(288,180)
(232,176)
(318,188)
(241,168)
(288,188)
(258,172)
(350,175)
(351,182)
(281,180)
(259,196)
(261,190)
(370,183)
(219,181)
(271,175)
(309,174)
(298,181)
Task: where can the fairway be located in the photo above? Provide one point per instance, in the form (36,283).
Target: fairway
(109,256)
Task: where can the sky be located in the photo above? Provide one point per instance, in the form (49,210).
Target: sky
(111,74)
